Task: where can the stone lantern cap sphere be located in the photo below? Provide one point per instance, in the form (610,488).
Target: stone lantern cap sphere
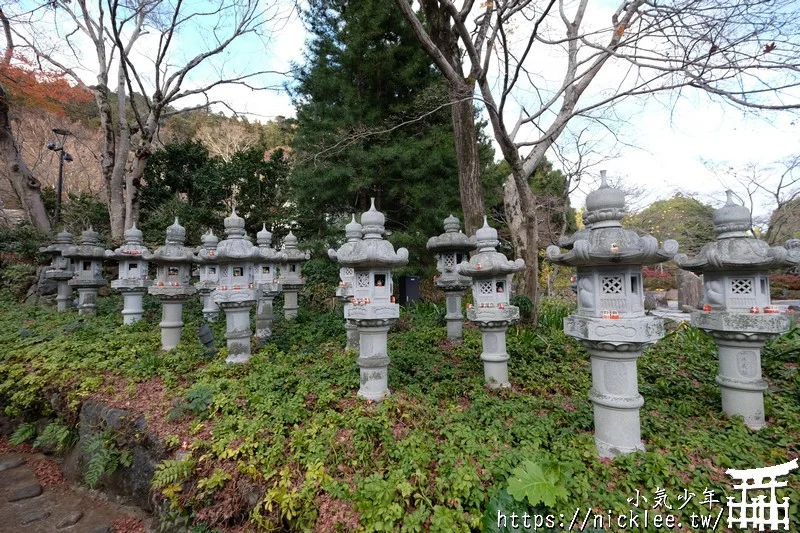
(373,250)
(793,251)
(353,230)
(291,252)
(209,240)
(264,237)
(133,246)
(488,262)
(173,250)
(735,249)
(236,247)
(732,219)
(62,241)
(207,253)
(453,239)
(88,249)
(605,242)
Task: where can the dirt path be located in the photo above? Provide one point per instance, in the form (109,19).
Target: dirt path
(35,498)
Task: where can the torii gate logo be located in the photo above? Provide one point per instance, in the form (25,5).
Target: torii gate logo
(754,511)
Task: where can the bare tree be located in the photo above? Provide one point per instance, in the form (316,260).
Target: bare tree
(225,138)
(152,78)
(744,53)
(27,188)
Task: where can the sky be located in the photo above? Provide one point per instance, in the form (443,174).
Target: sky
(661,144)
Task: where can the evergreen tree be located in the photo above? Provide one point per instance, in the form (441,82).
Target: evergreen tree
(363,77)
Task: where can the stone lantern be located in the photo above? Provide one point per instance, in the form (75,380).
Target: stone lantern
(291,278)
(372,308)
(206,257)
(736,309)
(610,321)
(87,277)
(267,283)
(236,293)
(451,248)
(133,279)
(491,274)
(60,268)
(171,286)
(345,291)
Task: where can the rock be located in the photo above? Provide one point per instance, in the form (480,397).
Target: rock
(34,516)
(690,290)
(101,529)
(46,286)
(8,464)
(23,493)
(70,519)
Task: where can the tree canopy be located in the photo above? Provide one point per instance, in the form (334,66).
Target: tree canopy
(683,218)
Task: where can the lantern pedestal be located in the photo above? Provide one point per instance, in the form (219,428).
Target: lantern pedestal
(210,308)
(290,305)
(493,323)
(237,329)
(739,338)
(65,300)
(87,301)
(455,317)
(373,361)
(171,324)
(132,309)
(264,315)
(353,336)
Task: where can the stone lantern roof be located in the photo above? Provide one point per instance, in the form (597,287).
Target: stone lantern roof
(605,242)
(452,240)
(793,251)
(352,232)
(266,251)
(88,248)
(173,250)
(62,241)
(236,247)
(488,262)
(292,253)
(735,248)
(133,246)
(372,250)
(207,252)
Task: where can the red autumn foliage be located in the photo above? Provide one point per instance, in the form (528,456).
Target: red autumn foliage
(29,86)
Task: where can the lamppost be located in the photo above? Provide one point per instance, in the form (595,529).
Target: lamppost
(61,135)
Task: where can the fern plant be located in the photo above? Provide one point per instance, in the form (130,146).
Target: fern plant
(104,457)
(55,436)
(24,433)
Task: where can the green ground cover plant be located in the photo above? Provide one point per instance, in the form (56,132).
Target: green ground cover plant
(284,444)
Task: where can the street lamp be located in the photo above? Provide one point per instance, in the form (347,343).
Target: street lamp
(61,135)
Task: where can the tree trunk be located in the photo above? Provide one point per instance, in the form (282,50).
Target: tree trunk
(520,207)
(26,186)
(133,181)
(469,175)
(113,181)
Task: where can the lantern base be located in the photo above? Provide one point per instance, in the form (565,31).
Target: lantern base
(454,316)
(171,323)
(264,317)
(87,301)
(615,397)
(494,356)
(290,305)
(373,360)
(132,309)
(237,330)
(64,299)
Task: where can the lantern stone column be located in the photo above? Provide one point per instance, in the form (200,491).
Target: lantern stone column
(61,269)
(133,279)
(291,278)
(87,260)
(267,283)
(737,313)
(491,273)
(610,321)
(451,248)
(373,309)
(345,289)
(172,284)
(235,293)
(206,257)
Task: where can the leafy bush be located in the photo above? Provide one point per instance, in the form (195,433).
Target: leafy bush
(22,243)
(16,278)
(524,303)
(552,312)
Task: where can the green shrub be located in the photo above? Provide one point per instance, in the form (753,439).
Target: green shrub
(16,278)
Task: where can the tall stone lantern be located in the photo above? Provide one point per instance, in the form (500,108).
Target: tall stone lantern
(491,273)
(60,268)
(133,278)
(610,321)
(345,290)
(171,286)
(87,262)
(291,278)
(206,257)
(736,309)
(372,308)
(236,293)
(267,283)
(451,248)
